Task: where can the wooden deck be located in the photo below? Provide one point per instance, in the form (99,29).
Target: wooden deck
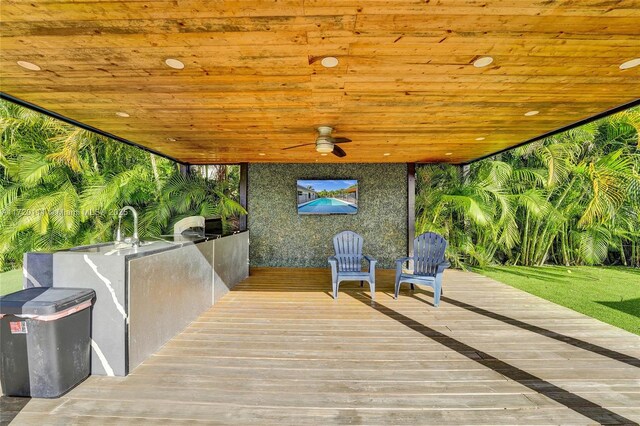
(279,350)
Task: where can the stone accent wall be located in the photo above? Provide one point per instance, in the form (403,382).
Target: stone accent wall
(281,237)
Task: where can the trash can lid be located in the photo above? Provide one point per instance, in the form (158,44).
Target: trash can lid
(43,300)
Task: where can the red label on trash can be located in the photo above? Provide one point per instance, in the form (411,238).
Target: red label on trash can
(18,327)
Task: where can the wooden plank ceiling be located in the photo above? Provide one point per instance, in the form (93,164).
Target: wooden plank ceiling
(253,84)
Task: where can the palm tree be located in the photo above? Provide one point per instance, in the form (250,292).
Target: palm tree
(573,199)
(62,186)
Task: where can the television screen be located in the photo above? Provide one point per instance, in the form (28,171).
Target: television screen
(327,197)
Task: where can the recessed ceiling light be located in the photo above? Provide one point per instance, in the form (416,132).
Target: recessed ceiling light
(174,63)
(171,139)
(630,64)
(122,114)
(448,153)
(483,62)
(329,62)
(530,113)
(386,154)
(29,65)
(480,138)
(262,154)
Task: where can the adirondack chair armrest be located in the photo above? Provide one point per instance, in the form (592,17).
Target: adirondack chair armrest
(400,265)
(442,266)
(440,273)
(333,261)
(400,262)
(372,264)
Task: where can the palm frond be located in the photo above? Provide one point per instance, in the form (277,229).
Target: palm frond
(32,169)
(594,245)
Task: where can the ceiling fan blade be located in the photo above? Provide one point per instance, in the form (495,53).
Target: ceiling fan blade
(341,140)
(338,152)
(298,146)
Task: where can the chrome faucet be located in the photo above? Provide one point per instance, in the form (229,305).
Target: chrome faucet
(134,240)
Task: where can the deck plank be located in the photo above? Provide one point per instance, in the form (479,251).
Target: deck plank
(279,349)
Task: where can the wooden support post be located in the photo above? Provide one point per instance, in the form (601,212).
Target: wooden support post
(411,207)
(244,175)
(185,169)
(465,170)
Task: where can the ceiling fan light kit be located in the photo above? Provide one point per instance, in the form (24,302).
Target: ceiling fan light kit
(325,143)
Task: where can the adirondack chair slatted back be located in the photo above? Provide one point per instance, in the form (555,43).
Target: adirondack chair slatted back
(348,247)
(428,252)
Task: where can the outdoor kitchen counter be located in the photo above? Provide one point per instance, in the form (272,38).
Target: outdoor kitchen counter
(152,245)
(144,295)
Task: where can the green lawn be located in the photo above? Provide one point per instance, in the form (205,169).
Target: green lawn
(610,294)
(10,281)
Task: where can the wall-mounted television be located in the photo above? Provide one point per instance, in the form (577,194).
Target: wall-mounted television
(327,196)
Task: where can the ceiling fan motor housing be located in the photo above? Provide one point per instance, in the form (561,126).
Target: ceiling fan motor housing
(325,130)
(324,142)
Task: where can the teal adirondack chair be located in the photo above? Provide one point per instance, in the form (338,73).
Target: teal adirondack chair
(346,265)
(428,264)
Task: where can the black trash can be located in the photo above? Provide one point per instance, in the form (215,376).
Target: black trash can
(45,343)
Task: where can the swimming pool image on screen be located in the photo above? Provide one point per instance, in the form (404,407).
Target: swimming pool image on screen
(337,196)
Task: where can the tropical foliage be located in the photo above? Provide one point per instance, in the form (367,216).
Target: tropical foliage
(570,199)
(62,186)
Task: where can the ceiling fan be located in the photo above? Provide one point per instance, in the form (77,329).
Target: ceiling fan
(325,143)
